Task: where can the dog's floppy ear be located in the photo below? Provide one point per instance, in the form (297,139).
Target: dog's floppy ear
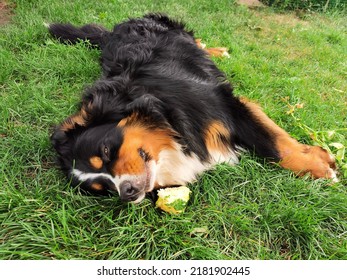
(97,108)
(149,109)
(104,102)
(64,137)
(63,144)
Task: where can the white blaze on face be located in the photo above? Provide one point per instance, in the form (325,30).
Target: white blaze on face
(143,183)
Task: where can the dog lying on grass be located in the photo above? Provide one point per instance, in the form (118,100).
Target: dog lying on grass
(163,113)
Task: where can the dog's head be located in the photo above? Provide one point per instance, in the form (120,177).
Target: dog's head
(117,155)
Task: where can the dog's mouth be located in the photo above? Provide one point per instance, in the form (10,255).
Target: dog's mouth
(133,188)
(150,170)
(150,175)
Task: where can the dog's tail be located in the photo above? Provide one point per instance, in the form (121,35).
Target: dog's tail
(67,33)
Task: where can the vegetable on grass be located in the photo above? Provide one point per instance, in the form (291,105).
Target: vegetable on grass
(173,200)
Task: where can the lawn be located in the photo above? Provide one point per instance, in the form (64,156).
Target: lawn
(293,64)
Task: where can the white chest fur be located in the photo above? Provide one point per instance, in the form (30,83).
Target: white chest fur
(176,168)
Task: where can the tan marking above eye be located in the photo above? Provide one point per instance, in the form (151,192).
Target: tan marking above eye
(96,162)
(97,186)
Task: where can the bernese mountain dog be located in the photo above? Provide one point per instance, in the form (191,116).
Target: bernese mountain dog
(162,113)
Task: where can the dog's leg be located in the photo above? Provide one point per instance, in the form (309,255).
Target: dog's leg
(217,52)
(299,158)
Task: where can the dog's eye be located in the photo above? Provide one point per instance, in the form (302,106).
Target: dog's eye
(143,154)
(106,151)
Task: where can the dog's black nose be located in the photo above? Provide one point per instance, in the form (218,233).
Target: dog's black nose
(127,191)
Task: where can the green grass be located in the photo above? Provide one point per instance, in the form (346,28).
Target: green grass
(307,5)
(251,211)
